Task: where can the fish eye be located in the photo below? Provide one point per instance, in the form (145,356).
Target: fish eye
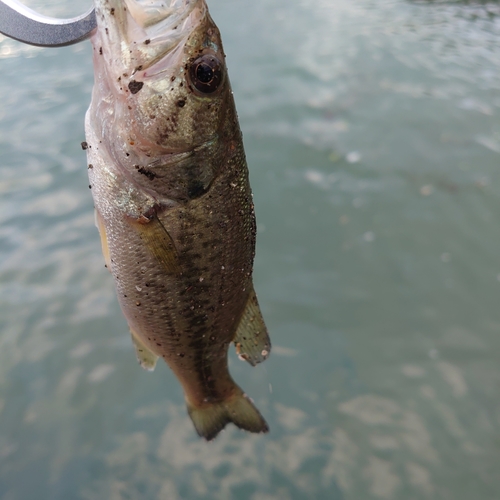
(206,73)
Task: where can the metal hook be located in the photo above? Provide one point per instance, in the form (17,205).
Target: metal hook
(25,25)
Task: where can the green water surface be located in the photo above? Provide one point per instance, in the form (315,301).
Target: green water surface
(372,130)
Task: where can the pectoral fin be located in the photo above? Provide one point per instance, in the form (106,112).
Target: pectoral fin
(99,222)
(147,359)
(252,340)
(158,241)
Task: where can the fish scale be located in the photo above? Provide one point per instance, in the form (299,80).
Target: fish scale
(173,201)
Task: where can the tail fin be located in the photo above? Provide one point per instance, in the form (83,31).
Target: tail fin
(211,419)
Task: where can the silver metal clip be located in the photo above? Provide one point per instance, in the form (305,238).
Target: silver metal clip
(25,25)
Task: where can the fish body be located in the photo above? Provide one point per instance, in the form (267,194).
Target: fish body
(173,202)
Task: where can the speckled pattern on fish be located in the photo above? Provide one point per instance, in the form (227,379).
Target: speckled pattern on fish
(173,202)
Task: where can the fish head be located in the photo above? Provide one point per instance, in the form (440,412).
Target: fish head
(161,77)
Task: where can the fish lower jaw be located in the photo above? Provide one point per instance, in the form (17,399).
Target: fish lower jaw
(143,34)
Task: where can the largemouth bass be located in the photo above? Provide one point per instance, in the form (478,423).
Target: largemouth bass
(173,201)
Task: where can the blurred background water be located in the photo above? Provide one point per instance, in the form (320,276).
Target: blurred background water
(372,130)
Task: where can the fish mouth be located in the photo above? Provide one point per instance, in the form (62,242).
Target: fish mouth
(159,15)
(140,33)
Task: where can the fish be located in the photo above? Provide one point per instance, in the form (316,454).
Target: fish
(173,203)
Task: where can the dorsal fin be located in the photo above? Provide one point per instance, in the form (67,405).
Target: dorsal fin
(252,340)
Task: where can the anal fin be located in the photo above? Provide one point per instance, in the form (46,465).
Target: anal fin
(252,340)
(158,241)
(147,359)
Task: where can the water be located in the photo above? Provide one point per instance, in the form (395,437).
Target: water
(372,130)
